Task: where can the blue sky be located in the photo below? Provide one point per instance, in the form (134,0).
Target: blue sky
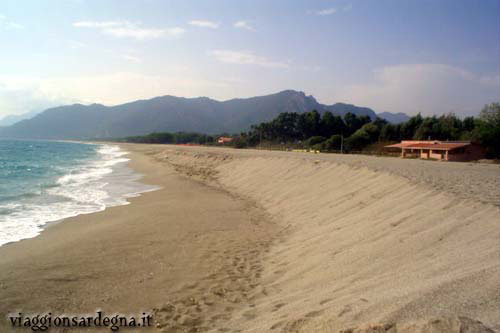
(428,56)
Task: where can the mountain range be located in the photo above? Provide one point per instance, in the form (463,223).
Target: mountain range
(14,118)
(172,114)
(394,118)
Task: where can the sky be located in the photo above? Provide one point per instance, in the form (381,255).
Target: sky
(427,56)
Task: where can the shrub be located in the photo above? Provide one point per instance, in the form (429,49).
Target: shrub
(314,140)
(333,143)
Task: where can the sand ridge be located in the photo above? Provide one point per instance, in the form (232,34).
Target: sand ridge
(258,241)
(364,246)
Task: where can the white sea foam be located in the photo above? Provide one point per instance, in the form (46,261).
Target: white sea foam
(88,188)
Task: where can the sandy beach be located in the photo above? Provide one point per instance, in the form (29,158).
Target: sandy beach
(263,241)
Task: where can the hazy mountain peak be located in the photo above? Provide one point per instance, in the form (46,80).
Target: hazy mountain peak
(14,118)
(169,113)
(292,92)
(395,118)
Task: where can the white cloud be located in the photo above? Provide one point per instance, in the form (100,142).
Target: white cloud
(347,8)
(127,29)
(245,58)
(243,25)
(140,33)
(327,11)
(132,58)
(426,88)
(7,24)
(330,11)
(105,24)
(204,24)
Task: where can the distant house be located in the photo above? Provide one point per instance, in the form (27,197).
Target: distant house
(224,139)
(439,150)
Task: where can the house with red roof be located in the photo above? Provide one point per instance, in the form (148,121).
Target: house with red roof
(224,139)
(439,150)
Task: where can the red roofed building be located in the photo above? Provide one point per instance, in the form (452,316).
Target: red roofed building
(224,139)
(439,150)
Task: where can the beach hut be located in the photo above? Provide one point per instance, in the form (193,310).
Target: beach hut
(439,150)
(224,139)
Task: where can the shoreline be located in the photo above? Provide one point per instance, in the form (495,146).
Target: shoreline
(114,185)
(266,241)
(126,197)
(165,246)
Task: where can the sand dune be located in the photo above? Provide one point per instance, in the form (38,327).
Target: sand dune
(361,246)
(259,241)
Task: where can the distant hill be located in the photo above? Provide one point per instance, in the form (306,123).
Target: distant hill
(395,118)
(341,109)
(168,113)
(12,119)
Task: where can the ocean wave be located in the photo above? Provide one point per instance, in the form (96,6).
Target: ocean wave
(20,197)
(89,187)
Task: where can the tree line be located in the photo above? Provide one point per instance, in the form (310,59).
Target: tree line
(172,138)
(329,132)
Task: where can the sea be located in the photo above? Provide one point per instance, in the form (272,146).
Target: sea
(46,181)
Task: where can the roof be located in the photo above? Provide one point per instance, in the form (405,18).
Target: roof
(399,145)
(439,146)
(430,145)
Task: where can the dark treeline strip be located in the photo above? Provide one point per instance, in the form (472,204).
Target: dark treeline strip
(328,132)
(173,138)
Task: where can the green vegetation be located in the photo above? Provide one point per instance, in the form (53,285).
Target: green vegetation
(487,129)
(175,138)
(329,132)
